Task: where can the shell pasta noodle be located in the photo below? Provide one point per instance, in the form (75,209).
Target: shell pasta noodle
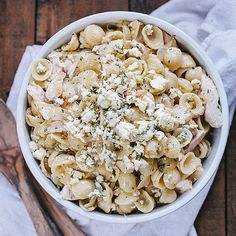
(119,117)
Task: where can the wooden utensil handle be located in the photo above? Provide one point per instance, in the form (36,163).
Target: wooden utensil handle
(17,176)
(32,205)
(67,226)
(12,166)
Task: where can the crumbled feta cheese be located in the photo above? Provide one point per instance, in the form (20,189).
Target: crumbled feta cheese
(88,115)
(174,92)
(113,118)
(85,93)
(132,84)
(139,149)
(149,29)
(58,101)
(113,207)
(131,97)
(145,130)
(115,79)
(109,157)
(95,193)
(159,135)
(141,202)
(183,136)
(142,105)
(181,114)
(103,102)
(75,128)
(140,164)
(134,52)
(46,112)
(99,178)
(77,174)
(87,128)
(196,83)
(73,98)
(90,162)
(100,49)
(134,43)
(112,82)
(190,126)
(108,58)
(99,131)
(41,69)
(39,154)
(149,99)
(159,83)
(146,104)
(116,44)
(81,157)
(109,98)
(127,164)
(160,111)
(115,102)
(125,129)
(70,118)
(167,123)
(133,66)
(33,146)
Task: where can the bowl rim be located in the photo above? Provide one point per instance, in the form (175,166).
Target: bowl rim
(140,217)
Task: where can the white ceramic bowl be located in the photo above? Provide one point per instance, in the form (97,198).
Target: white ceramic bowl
(220,135)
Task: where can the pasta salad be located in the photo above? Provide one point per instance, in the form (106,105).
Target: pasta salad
(119,117)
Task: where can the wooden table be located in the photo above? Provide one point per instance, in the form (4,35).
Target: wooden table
(28,22)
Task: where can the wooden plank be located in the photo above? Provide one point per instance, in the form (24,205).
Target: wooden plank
(146,6)
(231,182)
(211,219)
(54,15)
(17,24)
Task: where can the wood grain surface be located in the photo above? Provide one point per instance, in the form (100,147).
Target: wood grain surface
(34,21)
(17,26)
(54,15)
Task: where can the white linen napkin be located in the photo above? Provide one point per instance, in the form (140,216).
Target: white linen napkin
(212,24)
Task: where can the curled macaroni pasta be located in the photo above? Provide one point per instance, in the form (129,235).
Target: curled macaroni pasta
(145,203)
(152,36)
(202,150)
(168,196)
(42,69)
(73,44)
(173,58)
(189,163)
(194,102)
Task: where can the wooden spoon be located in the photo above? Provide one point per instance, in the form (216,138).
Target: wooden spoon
(67,226)
(12,166)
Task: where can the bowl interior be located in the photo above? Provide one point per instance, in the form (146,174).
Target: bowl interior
(219,135)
